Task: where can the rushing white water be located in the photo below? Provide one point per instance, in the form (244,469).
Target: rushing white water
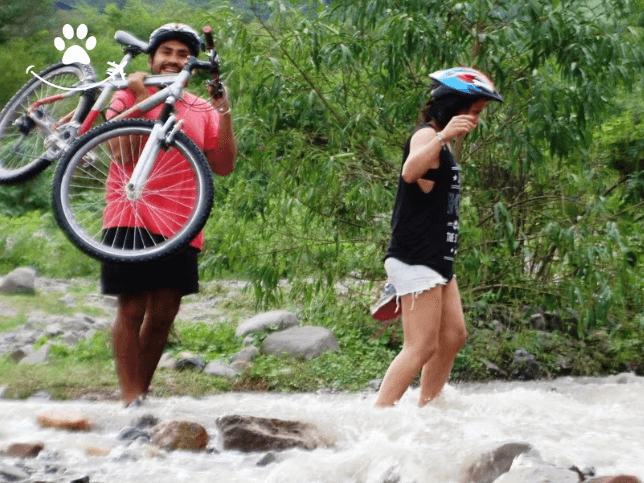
(595,423)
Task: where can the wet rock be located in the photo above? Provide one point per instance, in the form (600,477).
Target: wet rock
(495,463)
(130,434)
(615,479)
(145,421)
(51,469)
(279,319)
(97,451)
(391,476)
(172,435)
(247,354)
(308,341)
(216,368)
(21,280)
(524,366)
(12,473)
(267,459)
(375,384)
(249,434)
(25,450)
(84,479)
(535,470)
(64,420)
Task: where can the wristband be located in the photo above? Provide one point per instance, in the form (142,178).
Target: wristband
(440,139)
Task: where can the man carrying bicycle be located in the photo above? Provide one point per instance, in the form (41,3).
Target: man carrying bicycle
(149,293)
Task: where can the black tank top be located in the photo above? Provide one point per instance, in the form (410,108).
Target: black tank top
(425,225)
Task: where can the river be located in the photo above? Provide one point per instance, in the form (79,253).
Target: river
(587,422)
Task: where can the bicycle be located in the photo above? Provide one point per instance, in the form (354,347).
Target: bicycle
(40,122)
(128,162)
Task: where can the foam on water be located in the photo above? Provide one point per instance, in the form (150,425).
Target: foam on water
(595,423)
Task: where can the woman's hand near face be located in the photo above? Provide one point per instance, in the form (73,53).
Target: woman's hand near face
(459,126)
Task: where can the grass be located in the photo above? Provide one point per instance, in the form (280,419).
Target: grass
(365,348)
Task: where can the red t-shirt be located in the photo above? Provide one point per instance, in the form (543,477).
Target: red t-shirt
(161,214)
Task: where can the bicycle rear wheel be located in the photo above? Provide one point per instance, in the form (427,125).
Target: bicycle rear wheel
(25,149)
(92,206)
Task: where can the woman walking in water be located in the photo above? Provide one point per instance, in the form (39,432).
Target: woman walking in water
(419,261)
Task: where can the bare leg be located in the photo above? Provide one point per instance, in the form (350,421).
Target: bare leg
(421,326)
(163,306)
(452,336)
(125,342)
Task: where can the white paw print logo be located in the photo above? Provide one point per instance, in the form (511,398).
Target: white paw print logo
(75,53)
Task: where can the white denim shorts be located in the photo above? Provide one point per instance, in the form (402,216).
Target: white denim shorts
(413,279)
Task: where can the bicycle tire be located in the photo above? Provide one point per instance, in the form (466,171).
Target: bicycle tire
(89,192)
(24,156)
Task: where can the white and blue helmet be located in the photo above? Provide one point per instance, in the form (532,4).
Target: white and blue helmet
(463,81)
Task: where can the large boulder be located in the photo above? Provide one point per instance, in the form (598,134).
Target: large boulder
(21,280)
(249,433)
(172,435)
(280,319)
(307,341)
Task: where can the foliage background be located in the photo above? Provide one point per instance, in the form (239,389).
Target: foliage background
(324,96)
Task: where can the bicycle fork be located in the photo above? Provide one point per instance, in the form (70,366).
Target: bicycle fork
(161,136)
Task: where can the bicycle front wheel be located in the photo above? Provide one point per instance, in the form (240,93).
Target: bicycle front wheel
(26,148)
(93,206)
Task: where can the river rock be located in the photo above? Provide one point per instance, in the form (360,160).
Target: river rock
(249,434)
(25,450)
(12,473)
(166,361)
(493,464)
(535,470)
(130,434)
(64,420)
(21,280)
(39,357)
(308,341)
(145,421)
(247,354)
(189,363)
(279,319)
(524,366)
(217,368)
(172,435)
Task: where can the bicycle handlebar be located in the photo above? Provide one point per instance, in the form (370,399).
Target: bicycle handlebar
(132,44)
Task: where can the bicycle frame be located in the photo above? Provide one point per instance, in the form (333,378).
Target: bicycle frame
(79,127)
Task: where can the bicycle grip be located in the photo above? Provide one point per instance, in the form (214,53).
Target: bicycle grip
(207,32)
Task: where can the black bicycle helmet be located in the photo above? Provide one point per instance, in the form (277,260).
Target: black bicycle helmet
(463,81)
(175,31)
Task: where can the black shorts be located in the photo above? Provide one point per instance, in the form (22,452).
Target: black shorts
(180,271)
